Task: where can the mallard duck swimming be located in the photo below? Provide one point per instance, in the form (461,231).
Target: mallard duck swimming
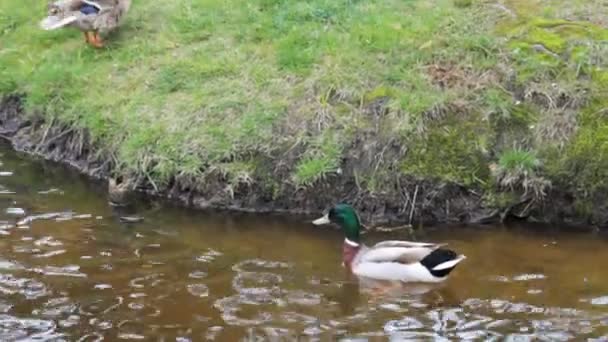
(93,17)
(394,260)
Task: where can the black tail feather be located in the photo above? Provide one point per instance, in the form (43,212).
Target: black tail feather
(437,257)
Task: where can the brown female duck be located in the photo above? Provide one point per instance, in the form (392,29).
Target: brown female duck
(93,17)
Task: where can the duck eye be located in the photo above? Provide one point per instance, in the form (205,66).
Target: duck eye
(54,11)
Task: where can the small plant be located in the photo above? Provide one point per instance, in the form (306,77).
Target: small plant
(517,160)
(518,169)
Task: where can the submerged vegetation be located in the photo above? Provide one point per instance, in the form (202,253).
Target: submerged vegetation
(286,95)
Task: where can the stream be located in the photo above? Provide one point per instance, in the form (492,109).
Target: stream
(72,270)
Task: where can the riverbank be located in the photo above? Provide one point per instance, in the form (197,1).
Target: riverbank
(443,112)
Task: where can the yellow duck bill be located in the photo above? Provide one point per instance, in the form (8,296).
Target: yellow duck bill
(322,220)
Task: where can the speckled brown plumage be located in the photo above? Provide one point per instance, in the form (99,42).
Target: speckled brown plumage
(107,16)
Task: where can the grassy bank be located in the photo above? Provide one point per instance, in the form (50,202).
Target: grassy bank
(506,97)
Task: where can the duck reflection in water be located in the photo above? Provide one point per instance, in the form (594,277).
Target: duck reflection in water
(355,289)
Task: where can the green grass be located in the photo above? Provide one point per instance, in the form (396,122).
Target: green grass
(517,159)
(188,87)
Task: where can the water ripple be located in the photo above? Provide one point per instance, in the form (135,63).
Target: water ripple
(13,328)
(198,290)
(63,271)
(29,288)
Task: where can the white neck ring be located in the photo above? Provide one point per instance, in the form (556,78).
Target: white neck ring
(350,243)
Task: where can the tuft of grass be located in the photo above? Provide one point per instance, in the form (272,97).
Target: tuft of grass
(321,159)
(518,160)
(518,169)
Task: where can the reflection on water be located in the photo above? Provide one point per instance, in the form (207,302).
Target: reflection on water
(70,269)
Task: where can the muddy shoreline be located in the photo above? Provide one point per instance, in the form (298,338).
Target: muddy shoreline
(419,202)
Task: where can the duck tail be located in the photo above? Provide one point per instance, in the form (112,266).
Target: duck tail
(442,261)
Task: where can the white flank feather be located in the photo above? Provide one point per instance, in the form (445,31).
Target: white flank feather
(396,271)
(413,254)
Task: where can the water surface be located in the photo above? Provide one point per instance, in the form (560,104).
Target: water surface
(71,270)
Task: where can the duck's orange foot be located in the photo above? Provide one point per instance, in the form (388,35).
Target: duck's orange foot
(95,40)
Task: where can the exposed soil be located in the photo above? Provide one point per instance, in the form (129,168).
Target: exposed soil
(412,201)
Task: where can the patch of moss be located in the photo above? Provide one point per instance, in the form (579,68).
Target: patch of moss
(542,45)
(378,93)
(551,40)
(452,151)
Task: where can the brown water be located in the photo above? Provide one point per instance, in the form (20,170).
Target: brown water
(77,273)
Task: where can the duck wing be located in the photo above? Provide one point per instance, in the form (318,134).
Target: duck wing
(407,244)
(99,5)
(103,6)
(398,251)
